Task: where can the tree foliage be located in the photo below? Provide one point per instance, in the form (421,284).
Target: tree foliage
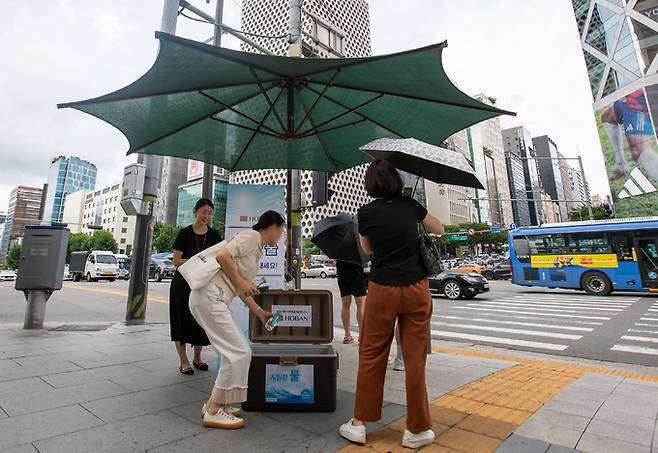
(583,213)
(164,236)
(309,248)
(13,259)
(103,240)
(78,242)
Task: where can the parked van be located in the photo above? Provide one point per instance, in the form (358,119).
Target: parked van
(93,266)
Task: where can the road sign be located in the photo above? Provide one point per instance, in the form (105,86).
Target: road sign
(471,232)
(456,237)
(495,229)
(513,226)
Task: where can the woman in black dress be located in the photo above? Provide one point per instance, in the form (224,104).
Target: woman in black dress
(184,328)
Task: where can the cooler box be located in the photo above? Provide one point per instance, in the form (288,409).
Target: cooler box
(293,367)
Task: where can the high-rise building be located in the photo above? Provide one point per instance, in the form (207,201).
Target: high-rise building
(24,203)
(498,184)
(452,205)
(577,188)
(619,40)
(524,181)
(173,174)
(101,208)
(330,28)
(66,175)
(552,170)
(190,192)
(477,157)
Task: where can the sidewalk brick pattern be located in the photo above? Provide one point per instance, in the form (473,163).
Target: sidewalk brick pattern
(479,416)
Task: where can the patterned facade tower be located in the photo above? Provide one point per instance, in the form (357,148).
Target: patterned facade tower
(331,29)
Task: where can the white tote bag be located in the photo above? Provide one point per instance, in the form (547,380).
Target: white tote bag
(202,267)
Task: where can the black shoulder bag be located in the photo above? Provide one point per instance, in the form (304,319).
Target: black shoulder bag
(429,252)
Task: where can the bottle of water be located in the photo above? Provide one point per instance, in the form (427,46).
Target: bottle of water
(273,321)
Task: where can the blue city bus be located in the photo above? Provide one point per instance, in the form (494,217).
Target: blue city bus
(596,256)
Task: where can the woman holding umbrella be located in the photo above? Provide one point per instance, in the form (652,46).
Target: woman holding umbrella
(398,289)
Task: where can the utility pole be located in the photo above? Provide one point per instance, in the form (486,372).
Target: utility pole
(139,274)
(293,182)
(208,168)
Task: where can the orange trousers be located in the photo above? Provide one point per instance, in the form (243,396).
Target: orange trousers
(412,307)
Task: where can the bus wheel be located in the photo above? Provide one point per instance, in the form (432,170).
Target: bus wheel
(596,284)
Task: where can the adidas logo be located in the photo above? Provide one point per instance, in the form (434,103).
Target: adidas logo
(637,184)
(630,128)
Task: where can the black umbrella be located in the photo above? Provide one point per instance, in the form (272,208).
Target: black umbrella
(427,161)
(338,237)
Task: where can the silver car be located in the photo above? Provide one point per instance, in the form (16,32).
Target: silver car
(319,270)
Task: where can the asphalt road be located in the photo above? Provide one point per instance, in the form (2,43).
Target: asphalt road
(617,328)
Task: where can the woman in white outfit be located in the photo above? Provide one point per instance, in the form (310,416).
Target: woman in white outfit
(209,305)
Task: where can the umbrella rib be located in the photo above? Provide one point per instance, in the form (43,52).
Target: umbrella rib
(267,97)
(317,100)
(100,100)
(317,132)
(340,115)
(483,107)
(251,139)
(192,123)
(322,145)
(377,123)
(243,127)
(239,112)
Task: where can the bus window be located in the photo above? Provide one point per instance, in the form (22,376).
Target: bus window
(547,244)
(622,245)
(520,245)
(583,243)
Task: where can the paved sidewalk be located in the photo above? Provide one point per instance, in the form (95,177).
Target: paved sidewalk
(118,389)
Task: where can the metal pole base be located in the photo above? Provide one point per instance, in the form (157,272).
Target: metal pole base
(35,310)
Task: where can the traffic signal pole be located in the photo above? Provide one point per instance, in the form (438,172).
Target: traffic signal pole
(139,272)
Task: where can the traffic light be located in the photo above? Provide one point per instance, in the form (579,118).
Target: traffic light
(321,193)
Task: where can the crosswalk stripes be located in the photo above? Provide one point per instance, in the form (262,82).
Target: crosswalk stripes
(643,338)
(543,321)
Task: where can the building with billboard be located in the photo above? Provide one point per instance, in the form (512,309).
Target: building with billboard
(66,175)
(619,40)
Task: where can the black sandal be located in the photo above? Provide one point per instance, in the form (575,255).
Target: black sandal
(201,366)
(187,371)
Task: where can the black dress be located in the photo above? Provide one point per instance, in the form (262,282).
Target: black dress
(184,328)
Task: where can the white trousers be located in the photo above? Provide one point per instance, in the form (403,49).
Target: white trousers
(210,307)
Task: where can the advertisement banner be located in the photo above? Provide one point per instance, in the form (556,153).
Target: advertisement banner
(194,170)
(628,139)
(289,384)
(606,260)
(244,204)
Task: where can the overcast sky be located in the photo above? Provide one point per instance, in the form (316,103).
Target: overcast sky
(524,52)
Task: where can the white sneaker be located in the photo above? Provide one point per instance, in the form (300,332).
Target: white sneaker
(398,365)
(356,434)
(232,410)
(411,440)
(222,420)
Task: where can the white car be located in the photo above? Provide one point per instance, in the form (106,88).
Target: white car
(7,276)
(319,270)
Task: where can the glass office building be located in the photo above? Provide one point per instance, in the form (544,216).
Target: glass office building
(66,175)
(189,194)
(619,39)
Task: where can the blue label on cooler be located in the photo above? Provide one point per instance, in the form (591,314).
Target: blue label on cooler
(289,384)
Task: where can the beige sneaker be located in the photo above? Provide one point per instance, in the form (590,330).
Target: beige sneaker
(222,420)
(232,410)
(356,434)
(411,440)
